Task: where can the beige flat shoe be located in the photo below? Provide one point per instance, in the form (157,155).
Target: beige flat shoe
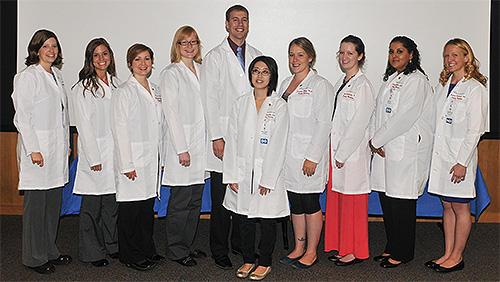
(256,277)
(244,273)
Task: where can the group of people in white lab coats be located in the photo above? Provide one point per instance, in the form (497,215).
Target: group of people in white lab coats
(269,153)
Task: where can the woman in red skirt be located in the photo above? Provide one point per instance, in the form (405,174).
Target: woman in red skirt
(346,225)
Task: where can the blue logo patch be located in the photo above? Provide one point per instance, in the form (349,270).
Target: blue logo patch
(263,141)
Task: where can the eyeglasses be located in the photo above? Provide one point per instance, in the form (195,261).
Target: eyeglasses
(257,72)
(186,43)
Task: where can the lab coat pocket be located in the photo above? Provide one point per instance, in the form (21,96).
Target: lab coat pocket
(346,108)
(257,173)
(299,145)
(224,121)
(301,106)
(452,148)
(241,169)
(187,134)
(138,154)
(395,149)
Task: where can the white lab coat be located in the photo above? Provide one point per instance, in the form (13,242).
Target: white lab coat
(222,81)
(95,141)
(402,127)
(255,155)
(183,112)
(460,119)
(137,124)
(41,119)
(350,135)
(310,107)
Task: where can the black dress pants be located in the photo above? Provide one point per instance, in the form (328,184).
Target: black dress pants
(220,219)
(400,217)
(267,239)
(135,230)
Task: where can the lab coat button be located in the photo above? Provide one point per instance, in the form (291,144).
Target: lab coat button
(241,74)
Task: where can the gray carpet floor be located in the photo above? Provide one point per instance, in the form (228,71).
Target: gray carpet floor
(482,258)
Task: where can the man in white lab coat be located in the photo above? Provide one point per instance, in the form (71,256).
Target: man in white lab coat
(223,80)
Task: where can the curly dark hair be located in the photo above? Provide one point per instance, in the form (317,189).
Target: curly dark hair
(413,64)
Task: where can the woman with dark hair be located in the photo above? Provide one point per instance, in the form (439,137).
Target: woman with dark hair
(95,179)
(346,222)
(461,106)
(253,165)
(41,119)
(185,154)
(401,144)
(310,102)
(137,126)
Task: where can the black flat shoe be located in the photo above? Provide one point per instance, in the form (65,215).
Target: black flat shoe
(299,265)
(457,267)
(114,255)
(334,258)
(431,264)
(62,260)
(354,261)
(381,258)
(222,261)
(142,265)
(46,268)
(156,258)
(198,254)
(187,261)
(100,263)
(287,260)
(387,264)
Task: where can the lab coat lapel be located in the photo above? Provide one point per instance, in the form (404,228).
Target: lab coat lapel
(192,77)
(304,82)
(142,91)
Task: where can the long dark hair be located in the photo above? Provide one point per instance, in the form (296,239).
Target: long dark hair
(36,43)
(273,69)
(87,75)
(413,64)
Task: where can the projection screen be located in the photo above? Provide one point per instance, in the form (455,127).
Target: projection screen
(273,24)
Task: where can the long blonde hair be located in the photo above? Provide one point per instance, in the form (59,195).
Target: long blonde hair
(471,67)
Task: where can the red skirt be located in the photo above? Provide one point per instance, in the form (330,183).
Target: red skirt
(346,223)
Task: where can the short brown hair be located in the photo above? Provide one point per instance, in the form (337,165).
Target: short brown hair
(134,50)
(36,43)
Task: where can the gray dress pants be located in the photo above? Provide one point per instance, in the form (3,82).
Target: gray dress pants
(183,213)
(41,209)
(98,233)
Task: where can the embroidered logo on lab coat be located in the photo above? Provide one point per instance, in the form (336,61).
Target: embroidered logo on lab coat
(349,94)
(457,96)
(396,85)
(304,91)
